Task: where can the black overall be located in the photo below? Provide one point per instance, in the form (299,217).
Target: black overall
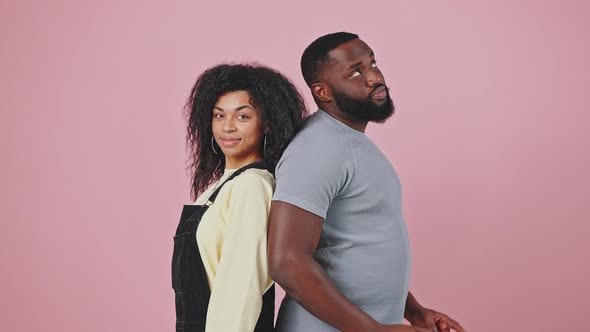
(189,278)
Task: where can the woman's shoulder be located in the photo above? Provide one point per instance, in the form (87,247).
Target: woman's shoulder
(254,177)
(250,185)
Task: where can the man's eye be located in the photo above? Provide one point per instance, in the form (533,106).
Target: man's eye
(355,73)
(374,64)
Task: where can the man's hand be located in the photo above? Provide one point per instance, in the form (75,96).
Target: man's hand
(403,328)
(431,319)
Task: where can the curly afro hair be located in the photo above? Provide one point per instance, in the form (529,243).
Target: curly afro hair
(280,105)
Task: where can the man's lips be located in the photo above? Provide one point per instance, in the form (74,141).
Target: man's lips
(229,142)
(379,93)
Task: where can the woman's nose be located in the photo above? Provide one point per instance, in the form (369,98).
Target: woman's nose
(228,125)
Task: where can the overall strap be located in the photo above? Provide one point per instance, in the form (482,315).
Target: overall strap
(258,165)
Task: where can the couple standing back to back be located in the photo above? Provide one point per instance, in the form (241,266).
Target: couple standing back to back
(330,231)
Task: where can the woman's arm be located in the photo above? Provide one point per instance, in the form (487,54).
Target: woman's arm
(242,275)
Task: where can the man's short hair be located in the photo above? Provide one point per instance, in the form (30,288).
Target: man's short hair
(316,55)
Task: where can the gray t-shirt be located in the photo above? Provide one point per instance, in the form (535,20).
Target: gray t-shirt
(337,173)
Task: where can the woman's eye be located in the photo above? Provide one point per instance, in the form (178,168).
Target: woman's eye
(374,64)
(218,116)
(242,117)
(355,73)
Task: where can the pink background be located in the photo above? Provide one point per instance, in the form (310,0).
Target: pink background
(490,140)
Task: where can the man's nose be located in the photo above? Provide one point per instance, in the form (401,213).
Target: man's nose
(374,78)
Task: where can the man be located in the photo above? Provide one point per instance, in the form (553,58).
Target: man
(338,243)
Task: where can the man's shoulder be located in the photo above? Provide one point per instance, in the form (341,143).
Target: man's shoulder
(324,155)
(319,133)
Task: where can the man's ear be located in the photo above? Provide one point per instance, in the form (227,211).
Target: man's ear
(321,92)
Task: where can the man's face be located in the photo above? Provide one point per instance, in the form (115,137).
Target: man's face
(357,85)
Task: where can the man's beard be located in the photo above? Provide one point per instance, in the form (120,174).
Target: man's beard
(365,109)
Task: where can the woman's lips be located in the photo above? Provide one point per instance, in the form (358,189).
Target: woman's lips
(229,142)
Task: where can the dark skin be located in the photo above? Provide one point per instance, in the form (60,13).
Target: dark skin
(294,232)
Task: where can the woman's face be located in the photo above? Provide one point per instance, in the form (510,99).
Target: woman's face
(237,128)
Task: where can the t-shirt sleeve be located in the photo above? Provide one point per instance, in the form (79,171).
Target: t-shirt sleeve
(242,274)
(310,176)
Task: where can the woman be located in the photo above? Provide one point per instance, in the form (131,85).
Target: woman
(240,120)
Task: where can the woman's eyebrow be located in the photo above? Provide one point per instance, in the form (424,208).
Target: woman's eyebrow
(239,108)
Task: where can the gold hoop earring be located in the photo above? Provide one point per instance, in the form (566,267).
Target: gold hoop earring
(213,146)
(264,146)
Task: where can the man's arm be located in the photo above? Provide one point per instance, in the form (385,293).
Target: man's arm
(413,310)
(293,235)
